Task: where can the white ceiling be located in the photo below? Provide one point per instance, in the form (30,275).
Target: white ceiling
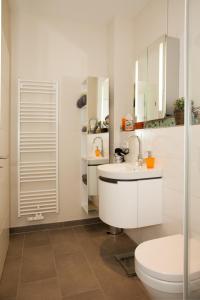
(89,11)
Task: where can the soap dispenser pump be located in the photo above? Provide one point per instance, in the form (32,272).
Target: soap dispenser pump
(150,160)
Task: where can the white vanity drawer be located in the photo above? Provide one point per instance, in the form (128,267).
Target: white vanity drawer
(118,203)
(130,203)
(149,202)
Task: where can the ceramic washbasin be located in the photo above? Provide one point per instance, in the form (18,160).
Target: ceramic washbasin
(96,160)
(127,171)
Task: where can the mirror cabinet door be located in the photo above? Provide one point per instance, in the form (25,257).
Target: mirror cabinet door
(140,87)
(155,98)
(150,69)
(157,80)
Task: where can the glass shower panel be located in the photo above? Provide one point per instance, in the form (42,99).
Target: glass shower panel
(194,176)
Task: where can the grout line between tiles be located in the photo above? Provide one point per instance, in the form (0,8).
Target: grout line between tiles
(57,274)
(82,293)
(54,262)
(91,269)
(20,269)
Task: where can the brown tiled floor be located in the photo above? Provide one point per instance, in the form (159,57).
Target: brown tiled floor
(68,264)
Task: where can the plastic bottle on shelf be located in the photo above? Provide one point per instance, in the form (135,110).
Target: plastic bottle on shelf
(123,122)
(129,124)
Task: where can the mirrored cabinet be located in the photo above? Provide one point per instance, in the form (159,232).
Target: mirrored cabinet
(94,128)
(156,83)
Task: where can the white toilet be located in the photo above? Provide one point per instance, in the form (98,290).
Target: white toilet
(159,265)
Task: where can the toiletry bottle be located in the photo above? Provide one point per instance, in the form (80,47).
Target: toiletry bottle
(123,122)
(150,161)
(129,123)
(97,152)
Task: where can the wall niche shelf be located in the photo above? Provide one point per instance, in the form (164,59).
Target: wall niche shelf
(96,91)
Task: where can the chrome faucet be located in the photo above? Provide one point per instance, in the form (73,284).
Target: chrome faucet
(99,138)
(140,159)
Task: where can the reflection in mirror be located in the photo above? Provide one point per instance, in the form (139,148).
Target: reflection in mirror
(98,99)
(103,99)
(94,104)
(157,80)
(140,86)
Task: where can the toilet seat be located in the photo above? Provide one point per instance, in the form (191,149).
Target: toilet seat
(159,263)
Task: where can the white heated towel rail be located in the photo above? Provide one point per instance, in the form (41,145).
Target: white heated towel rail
(37,148)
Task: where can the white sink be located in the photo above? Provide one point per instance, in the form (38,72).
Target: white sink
(96,160)
(127,171)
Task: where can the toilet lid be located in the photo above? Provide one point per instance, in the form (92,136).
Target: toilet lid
(163,258)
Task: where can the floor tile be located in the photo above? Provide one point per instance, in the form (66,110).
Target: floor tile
(114,282)
(69,264)
(110,245)
(63,241)
(40,290)
(16,245)
(75,275)
(36,239)
(92,295)
(95,230)
(87,244)
(10,278)
(38,264)
(95,247)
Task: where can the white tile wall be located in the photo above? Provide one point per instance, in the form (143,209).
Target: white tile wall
(167,145)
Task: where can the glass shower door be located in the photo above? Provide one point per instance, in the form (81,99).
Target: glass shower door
(192,140)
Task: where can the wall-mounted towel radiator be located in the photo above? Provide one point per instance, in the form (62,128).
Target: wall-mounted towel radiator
(37,148)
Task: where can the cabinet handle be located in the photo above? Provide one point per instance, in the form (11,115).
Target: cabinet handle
(109,180)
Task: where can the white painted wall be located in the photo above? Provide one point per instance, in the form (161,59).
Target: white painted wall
(5,81)
(45,47)
(4,134)
(120,74)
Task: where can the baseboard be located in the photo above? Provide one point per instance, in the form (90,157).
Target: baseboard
(29,228)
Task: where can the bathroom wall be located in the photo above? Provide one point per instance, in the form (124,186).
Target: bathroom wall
(120,34)
(4,134)
(156,19)
(167,145)
(46,47)
(5,91)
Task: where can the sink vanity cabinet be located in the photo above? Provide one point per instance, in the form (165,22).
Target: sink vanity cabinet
(149,195)
(131,203)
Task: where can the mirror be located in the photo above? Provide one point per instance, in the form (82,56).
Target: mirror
(94,137)
(97,94)
(156,80)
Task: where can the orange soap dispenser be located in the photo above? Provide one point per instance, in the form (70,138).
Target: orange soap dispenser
(97,152)
(150,160)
